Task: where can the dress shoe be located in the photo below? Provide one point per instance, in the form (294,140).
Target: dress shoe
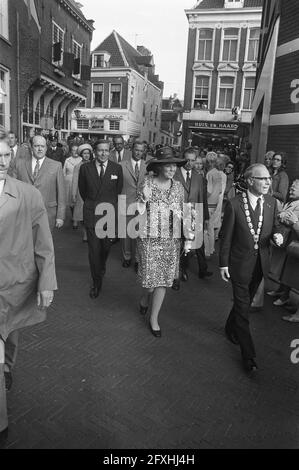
(250,365)
(8,380)
(274,293)
(205,274)
(280,302)
(94,292)
(231,337)
(143,310)
(291,318)
(156,333)
(176,284)
(126,263)
(184,276)
(3,436)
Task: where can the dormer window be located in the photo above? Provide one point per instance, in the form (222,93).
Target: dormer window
(101,60)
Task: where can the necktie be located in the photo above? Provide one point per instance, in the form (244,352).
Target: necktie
(36,170)
(102,172)
(188,180)
(258,212)
(119,157)
(137,171)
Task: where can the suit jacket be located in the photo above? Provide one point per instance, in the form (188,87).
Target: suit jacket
(197,192)
(26,256)
(130,184)
(237,244)
(57,155)
(50,183)
(93,192)
(114,155)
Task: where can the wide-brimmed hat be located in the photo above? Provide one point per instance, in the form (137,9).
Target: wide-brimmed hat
(165,155)
(83,147)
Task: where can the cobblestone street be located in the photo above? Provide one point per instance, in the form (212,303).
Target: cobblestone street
(93,377)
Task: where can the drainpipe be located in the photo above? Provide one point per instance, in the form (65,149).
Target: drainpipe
(19,113)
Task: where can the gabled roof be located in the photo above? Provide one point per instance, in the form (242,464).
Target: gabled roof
(218,4)
(122,54)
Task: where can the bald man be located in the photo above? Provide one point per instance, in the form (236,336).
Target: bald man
(248,225)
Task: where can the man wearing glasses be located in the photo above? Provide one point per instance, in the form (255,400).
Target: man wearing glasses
(248,226)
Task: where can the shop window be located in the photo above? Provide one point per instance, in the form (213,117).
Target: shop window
(249,89)
(226,92)
(205,44)
(230,44)
(4,98)
(115,95)
(4,18)
(82,124)
(114,125)
(201,97)
(98,95)
(253,44)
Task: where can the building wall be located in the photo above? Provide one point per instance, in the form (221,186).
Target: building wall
(218,20)
(276,103)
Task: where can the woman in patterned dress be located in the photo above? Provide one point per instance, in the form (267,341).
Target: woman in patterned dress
(161,201)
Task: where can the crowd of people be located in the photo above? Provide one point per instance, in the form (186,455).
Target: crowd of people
(164,207)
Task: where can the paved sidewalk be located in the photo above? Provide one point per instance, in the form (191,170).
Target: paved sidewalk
(93,377)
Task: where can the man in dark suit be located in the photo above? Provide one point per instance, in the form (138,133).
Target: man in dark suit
(119,153)
(194,192)
(248,226)
(100,182)
(55,151)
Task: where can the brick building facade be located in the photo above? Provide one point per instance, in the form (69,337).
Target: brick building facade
(276,102)
(125,95)
(44,63)
(220,72)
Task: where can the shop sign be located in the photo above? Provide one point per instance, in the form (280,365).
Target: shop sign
(219,126)
(114,117)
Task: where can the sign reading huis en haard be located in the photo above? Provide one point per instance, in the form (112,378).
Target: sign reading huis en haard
(215,126)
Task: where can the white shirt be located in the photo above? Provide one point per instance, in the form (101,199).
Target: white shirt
(253,200)
(99,168)
(1,186)
(134,164)
(184,173)
(121,154)
(14,150)
(34,161)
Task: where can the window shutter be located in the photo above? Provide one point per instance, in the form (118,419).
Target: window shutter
(57,52)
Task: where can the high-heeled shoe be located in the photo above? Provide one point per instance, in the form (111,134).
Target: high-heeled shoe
(156,333)
(143,310)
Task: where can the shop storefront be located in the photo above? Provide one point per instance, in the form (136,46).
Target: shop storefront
(215,133)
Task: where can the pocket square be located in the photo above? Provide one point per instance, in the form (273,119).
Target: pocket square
(114,177)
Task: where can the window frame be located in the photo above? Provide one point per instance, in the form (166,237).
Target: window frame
(205,75)
(4,33)
(248,41)
(120,95)
(243,91)
(197,45)
(227,75)
(80,47)
(93,100)
(60,29)
(222,45)
(6,99)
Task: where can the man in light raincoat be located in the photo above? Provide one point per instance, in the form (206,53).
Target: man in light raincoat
(27,268)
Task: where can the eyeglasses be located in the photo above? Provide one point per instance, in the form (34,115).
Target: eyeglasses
(262,178)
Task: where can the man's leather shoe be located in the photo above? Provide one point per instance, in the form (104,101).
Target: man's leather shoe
(176,284)
(94,292)
(3,436)
(126,263)
(205,274)
(231,337)
(250,365)
(8,380)
(184,276)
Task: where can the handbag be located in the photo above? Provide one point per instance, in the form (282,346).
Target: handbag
(293,249)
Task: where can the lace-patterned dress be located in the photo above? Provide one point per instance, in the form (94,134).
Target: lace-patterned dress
(158,249)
